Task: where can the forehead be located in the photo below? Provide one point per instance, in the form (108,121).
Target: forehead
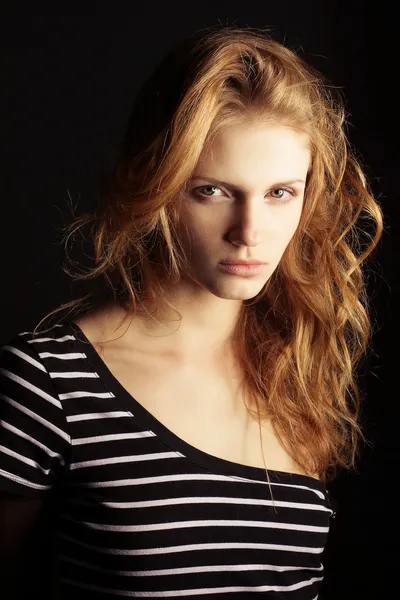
(248,149)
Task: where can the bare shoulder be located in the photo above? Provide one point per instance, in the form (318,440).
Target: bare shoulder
(101,324)
(91,324)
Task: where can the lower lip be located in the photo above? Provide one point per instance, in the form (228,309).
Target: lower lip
(242,270)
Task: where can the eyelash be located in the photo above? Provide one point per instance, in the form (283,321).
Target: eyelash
(278,201)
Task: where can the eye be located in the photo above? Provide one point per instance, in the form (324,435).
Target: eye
(206,191)
(197,191)
(281,198)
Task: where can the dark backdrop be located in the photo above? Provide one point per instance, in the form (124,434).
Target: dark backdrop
(68,81)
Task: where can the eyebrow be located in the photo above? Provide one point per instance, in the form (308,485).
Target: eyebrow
(239,189)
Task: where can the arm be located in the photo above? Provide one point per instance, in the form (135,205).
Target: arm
(34,451)
(18,516)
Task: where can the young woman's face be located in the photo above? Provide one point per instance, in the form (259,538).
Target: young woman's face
(244,202)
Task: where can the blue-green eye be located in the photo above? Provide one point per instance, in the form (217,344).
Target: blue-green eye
(281,198)
(204,187)
(278,190)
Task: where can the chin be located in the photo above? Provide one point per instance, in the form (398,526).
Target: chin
(245,291)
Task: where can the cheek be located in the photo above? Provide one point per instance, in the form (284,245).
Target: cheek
(291,221)
(202,234)
(279,235)
(195,230)
(289,233)
(283,225)
(204,239)
(292,227)
(196,236)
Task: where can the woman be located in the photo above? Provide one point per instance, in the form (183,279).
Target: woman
(191,456)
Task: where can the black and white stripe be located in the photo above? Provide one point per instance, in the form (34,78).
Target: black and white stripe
(141,513)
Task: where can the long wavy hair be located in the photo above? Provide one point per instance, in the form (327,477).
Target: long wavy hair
(299,340)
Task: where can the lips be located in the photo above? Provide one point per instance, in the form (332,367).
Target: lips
(242,270)
(242,262)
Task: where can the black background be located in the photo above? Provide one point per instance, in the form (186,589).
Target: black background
(69,76)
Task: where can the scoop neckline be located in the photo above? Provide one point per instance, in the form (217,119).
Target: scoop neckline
(208,461)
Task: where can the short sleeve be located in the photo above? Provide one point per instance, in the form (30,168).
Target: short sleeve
(34,439)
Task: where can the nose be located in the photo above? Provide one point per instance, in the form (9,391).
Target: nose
(246,229)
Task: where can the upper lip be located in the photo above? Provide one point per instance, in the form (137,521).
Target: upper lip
(242,262)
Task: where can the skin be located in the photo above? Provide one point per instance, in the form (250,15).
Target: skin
(242,218)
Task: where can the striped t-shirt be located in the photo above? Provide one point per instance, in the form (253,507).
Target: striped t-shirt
(140,512)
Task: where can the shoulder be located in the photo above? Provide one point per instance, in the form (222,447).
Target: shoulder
(28,346)
(111,327)
(24,366)
(21,351)
(33,427)
(98,324)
